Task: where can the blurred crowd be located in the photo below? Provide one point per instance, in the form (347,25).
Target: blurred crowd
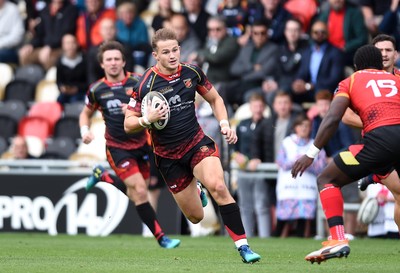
(276,63)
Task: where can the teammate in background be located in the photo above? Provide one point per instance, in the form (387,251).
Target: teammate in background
(127,154)
(183,153)
(373,94)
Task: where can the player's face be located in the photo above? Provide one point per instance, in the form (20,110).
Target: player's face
(303,129)
(389,54)
(323,107)
(167,55)
(113,63)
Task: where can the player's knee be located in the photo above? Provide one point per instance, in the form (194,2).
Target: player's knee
(195,219)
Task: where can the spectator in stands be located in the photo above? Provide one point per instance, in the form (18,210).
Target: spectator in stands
(235,12)
(304,10)
(290,55)
(256,61)
(19,148)
(71,71)
(373,11)
(297,200)
(107,33)
(88,23)
(252,192)
(132,33)
(11,35)
(322,66)
(276,14)
(218,53)
(187,39)
(346,30)
(56,19)
(342,139)
(197,17)
(165,12)
(390,23)
(268,137)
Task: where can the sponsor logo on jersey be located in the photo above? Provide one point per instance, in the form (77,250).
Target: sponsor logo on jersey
(166,90)
(107,95)
(188,83)
(174,100)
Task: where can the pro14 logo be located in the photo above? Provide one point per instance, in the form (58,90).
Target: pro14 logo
(41,214)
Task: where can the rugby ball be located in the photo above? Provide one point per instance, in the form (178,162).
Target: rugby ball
(368,210)
(154,99)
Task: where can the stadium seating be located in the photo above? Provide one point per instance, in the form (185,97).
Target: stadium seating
(34,126)
(32,73)
(67,127)
(7,74)
(8,127)
(50,111)
(13,108)
(46,91)
(35,145)
(20,89)
(73,109)
(59,148)
(3,145)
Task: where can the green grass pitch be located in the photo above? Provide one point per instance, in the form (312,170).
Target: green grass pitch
(33,252)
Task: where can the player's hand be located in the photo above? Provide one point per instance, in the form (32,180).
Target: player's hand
(301,165)
(230,134)
(155,114)
(88,137)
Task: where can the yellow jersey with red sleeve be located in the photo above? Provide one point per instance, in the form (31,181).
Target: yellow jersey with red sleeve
(374,96)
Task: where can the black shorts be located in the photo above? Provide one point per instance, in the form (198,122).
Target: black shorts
(377,152)
(129,162)
(178,173)
(154,172)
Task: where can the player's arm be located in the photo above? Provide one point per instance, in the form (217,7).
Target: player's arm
(352,119)
(84,123)
(325,131)
(131,122)
(331,121)
(217,104)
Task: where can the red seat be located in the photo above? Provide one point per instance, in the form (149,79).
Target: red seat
(51,111)
(34,126)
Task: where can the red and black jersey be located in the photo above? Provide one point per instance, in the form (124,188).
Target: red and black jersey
(183,130)
(108,98)
(374,96)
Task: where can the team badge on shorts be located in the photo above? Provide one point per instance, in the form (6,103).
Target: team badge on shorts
(188,83)
(204,149)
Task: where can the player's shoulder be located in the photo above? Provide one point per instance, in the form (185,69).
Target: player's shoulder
(134,76)
(190,66)
(95,86)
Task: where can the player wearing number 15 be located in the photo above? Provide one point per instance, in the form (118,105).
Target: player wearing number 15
(183,153)
(372,93)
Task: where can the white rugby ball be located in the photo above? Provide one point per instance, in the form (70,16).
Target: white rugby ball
(368,210)
(154,99)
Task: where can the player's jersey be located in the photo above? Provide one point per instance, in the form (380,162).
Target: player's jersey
(396,72)
(182,131)
(374,96)
(108,98)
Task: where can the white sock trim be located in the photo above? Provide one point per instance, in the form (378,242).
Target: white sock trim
(241,242)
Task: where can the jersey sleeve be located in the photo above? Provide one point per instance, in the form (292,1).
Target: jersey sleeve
(204,85)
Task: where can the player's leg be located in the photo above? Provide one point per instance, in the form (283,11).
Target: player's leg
(330,182)
(99,173)
(189,202)
(392,182)
(209,171)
